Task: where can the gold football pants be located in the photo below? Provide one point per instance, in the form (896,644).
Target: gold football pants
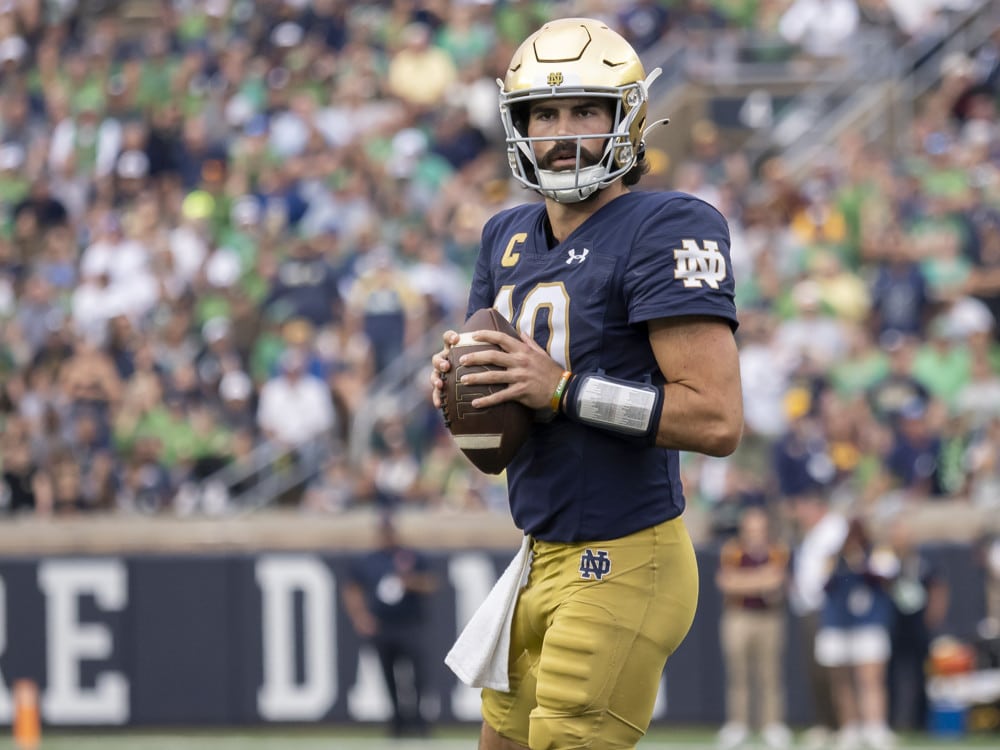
(592,631)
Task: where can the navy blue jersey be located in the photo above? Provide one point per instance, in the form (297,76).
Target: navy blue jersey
(587,301)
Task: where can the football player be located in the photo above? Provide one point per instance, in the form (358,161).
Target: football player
(624,303)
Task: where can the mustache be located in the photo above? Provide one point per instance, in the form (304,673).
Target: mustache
(567,150)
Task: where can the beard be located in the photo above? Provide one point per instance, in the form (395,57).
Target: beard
(567,150)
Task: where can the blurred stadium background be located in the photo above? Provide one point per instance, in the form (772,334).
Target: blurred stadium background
(203,199)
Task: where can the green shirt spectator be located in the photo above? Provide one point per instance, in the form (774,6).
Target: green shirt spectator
(942,365)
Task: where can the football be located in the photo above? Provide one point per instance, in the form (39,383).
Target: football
(488,437)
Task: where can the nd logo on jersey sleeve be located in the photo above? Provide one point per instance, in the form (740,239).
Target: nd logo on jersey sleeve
(700,264)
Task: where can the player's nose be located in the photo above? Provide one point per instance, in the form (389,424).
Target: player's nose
(564,124)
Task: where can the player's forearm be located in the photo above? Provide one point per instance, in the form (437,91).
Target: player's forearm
(699,421)
(703,399)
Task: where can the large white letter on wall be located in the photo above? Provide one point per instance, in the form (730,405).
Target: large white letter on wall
(281,698)
(69,642)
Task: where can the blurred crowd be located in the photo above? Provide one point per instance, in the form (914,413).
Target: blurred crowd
(221,221)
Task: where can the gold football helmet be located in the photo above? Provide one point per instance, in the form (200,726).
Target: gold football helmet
(574,58)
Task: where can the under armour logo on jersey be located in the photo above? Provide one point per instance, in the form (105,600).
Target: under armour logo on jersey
(697,265)
(596,565)
(575,257)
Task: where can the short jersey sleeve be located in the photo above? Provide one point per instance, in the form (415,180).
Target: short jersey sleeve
(481,292)
(680,263)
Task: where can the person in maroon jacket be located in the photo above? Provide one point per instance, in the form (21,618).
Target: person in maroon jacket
(752,575)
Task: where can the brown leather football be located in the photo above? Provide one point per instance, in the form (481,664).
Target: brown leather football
(488,437)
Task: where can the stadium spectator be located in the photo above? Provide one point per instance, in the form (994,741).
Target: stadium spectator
(920,598)
(295,408)
(146,485)
(37,312)
(394,471)
(812,339)
(420,73)
(820,533)
(385,598)
(752,577)
(333,490)
(644,23)
(897,387)
(467,34)
(822,28)
(914,457)
(25,487)
(943,362)
(853,640)
(305,285)
(764,376)
(801,456)
(390,309)
(236,401)
(439,280)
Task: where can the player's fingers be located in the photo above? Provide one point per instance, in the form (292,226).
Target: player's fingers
(450,338)
(440,361)
(487,377)
(486,401)
(505,342)
(495,360)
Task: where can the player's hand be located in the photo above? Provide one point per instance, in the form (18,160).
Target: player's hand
(440,364)
(530,374)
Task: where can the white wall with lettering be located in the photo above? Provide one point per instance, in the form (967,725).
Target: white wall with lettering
(68,641)
(282,697)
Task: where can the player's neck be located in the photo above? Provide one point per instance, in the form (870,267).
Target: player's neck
(564,218)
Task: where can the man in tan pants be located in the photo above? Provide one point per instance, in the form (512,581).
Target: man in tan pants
(752,574)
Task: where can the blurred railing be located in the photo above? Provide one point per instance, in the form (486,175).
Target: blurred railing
(401,389)
(873,86)
(273,471)
(269,472)
(966,33)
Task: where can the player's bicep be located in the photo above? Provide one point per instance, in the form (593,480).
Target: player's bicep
(700,354)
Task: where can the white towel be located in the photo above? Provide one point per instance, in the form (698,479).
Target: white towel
(480,654)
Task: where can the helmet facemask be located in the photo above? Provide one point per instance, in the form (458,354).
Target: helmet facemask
(619,153)
(575,58)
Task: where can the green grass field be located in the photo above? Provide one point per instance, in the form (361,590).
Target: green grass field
(445,739)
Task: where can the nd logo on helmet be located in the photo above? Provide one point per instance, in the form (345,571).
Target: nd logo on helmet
(555,79)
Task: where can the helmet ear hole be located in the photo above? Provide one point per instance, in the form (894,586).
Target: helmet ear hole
(623,154)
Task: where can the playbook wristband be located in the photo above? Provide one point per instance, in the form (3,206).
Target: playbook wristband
(621,406)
